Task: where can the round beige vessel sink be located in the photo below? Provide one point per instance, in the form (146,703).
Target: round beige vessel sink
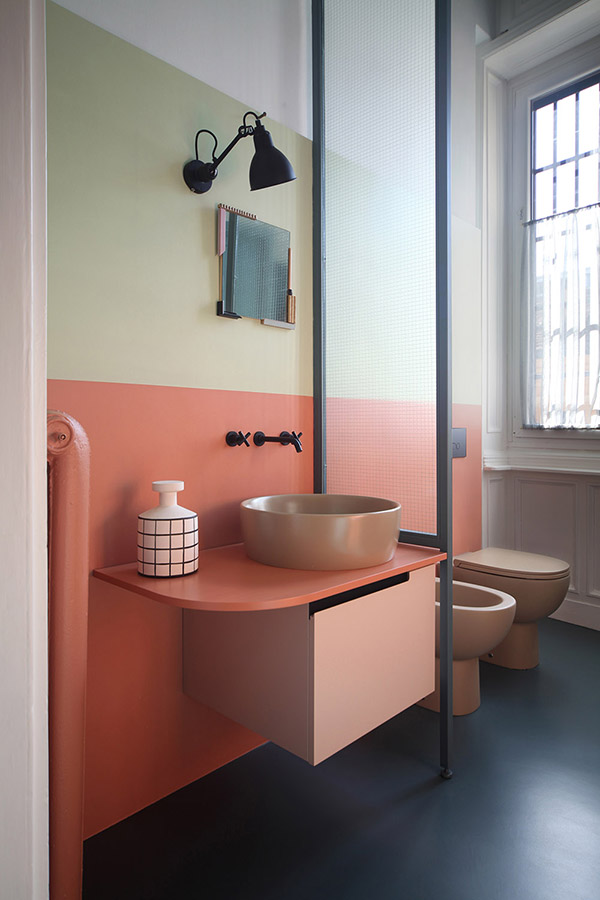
(320,531)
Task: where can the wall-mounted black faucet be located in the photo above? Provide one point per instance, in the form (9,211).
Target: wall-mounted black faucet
(237,438)
(284,437)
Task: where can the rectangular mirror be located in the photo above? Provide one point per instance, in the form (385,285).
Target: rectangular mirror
(254,259)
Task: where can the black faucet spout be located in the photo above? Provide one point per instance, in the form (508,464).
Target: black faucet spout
(284,438)
(290,437)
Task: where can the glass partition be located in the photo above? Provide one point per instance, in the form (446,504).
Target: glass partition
(379,317)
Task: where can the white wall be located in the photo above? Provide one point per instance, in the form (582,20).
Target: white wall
(514,15)
(23,603)
(541,493)
(467,16)
(257,51)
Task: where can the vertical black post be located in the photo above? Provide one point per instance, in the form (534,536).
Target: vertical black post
(443,536)
(444,370)
(318,95)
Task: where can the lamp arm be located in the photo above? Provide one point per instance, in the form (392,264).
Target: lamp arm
(243,131)
(206,131)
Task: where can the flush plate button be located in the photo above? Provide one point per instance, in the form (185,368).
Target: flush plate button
(459,443)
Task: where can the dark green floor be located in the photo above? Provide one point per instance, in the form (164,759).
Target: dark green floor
(520,820)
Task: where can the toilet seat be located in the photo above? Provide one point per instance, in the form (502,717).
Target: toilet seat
(513,564)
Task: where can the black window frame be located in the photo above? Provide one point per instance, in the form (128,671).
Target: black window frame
(553,97)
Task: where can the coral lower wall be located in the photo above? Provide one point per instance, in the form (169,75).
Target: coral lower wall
(466,481)
(376,450)
(145,738)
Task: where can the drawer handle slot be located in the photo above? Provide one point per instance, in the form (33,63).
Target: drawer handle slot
(345,596)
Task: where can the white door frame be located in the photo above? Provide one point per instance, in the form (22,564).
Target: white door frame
(23,590)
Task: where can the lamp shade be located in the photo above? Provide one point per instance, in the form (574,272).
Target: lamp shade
(269,166)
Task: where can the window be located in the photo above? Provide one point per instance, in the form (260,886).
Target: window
(561,289)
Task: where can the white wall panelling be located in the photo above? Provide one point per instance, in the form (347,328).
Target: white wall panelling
(495,511)
(593,541)
(557,515)
(546,513)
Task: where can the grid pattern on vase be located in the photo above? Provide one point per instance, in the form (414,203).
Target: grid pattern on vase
(167,547)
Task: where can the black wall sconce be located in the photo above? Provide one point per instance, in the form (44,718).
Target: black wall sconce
(268,167)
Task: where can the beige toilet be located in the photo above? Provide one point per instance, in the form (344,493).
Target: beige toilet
(481,618)
(539,584)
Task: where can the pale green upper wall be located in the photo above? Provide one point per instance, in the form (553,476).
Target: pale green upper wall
(132,265)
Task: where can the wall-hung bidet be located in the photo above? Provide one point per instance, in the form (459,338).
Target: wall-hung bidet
(539,584)
(481,618)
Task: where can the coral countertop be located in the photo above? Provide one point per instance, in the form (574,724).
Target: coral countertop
(228,581)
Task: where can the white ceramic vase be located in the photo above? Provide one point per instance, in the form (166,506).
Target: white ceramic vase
(167,535)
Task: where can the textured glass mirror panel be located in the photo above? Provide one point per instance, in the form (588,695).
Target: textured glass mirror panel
(254,267)
(380,326)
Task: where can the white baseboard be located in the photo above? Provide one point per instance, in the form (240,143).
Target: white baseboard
(578,613)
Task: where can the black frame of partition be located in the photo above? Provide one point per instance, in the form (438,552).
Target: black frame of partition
(318,161)
(443,537)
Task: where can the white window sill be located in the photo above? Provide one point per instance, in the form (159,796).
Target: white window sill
(575,462)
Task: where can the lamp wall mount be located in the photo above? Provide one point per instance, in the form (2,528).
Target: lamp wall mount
(268,166)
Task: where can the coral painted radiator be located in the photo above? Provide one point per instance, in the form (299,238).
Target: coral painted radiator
(68,455)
